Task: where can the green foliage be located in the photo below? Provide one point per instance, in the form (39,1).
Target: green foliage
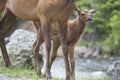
(83,4)
(18,72)
(106,20)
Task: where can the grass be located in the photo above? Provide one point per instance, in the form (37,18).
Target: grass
(29,73)
(93,78)
(18,72)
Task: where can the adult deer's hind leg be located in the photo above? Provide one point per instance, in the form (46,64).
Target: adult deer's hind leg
(4,18)
(36,46)
(37,26)
(6,23)
(4,52)
(63,36)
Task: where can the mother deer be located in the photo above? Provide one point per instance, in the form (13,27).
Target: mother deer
(42,12)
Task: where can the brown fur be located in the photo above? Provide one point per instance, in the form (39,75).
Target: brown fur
(42,13)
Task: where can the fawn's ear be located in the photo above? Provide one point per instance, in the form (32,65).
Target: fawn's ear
(78,10)
(93,11)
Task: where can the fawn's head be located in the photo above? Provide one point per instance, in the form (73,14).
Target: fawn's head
(85,15)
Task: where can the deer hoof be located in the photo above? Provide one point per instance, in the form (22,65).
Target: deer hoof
(69,78)
(48,76)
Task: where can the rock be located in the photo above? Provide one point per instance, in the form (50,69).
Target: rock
(4,77)
(20,40)
(80,51)
(114,70)
(20,48)
(87,52)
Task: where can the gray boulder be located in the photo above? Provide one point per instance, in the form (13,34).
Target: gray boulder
(114,70)
(20,48)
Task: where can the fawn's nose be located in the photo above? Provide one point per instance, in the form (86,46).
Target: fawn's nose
(89,19)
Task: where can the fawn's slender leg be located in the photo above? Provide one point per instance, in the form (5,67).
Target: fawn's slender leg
(72,60)
(56,44)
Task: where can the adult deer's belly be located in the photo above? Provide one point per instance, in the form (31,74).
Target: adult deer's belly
(55,10)
(23,9)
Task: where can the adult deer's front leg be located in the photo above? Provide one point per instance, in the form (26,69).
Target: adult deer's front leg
(63,36)
(45,26)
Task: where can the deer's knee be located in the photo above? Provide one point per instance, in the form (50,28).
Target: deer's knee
(48,46)
(36,50)
(65,49)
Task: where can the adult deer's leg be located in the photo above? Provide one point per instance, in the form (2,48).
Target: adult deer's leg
(72,60)
(36,46)
(2,21)
(63,36)
(2,7)
(45,26)
(4,52)
(37,25)
(56,44)
(6,23)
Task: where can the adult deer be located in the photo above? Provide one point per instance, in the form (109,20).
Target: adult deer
(42,12)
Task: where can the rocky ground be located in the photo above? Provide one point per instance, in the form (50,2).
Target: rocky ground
(3,77)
